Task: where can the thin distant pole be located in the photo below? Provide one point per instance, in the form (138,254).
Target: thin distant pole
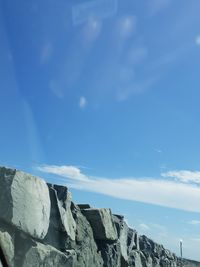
(181,251)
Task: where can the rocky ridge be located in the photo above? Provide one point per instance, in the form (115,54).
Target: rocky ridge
(41,226)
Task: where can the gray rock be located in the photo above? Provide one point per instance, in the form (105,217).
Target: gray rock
(47,256)
(122,230)
(24,202)
(86,248)
(102,223)
(6,243)
(135,259)
(133,240)
(111,254)
(64,206)
(189,263)
(41,227)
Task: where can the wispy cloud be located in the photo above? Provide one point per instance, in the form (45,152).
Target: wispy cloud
(184,176)
(163,192)
(135,88)
(153,229)
(82,102)
(194,222)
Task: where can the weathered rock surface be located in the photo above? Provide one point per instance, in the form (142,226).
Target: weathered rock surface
(7,246)
(102,223)
(47,256)
(41,227)
(24,202)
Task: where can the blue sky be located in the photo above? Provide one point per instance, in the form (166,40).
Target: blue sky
(103,96)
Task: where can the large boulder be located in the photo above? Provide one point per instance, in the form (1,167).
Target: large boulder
(102,223)
(85,245)
(24,202)
(62,219)
(47,256)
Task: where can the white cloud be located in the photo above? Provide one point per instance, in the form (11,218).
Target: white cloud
(184,176)
(172,194)
(70,172)
(82,102)
(198,40)
(194,222)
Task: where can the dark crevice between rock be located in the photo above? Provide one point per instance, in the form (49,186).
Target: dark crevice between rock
(3,259)
(6,177)
(22,244)
(56,235)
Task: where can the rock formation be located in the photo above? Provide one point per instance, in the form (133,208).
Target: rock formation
(41,226)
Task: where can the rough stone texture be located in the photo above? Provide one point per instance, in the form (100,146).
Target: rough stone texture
(63,202)
(135,258)
(47,256)
(110,253)
(41,227)
(85,246)
(122,230)
(24,202)
(6,243)
(133,240)
(190,263)
(102,223)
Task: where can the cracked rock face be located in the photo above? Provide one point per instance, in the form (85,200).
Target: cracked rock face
(41,227)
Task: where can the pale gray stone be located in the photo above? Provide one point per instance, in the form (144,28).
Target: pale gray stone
(86,247)
(47,256)
(122,230)
(31,204)
(64,205)
(25,202)
(135,259)
(6,243)
(102,223)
